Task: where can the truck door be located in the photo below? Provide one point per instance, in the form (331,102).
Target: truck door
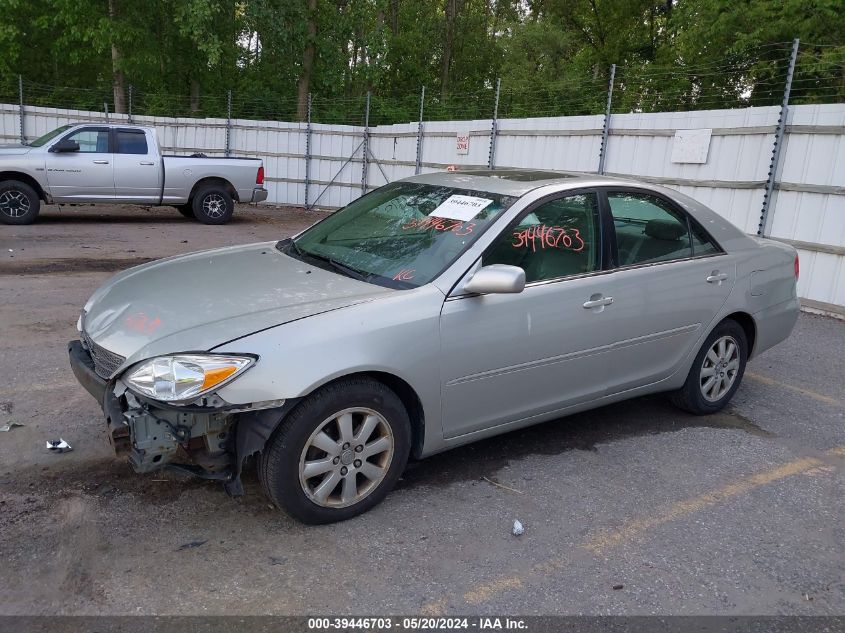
(137,170)
(85,174)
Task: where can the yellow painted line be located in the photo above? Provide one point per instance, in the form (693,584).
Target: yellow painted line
(636,528)
(804,392)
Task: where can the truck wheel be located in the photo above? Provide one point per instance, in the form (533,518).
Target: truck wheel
(186,210)
(213,205)
(19,204)
(338,453)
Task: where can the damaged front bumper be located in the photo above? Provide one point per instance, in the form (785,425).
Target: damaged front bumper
(209,442)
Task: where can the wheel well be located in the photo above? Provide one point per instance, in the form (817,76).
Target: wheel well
(214,181)
(20,177)
(746,321)
(409,399)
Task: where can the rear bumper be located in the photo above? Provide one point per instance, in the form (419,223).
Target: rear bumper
(259,194)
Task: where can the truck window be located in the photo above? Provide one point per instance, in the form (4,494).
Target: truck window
(131,142)
(91,140)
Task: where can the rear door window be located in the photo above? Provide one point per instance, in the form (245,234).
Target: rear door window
(648,229)
(130,142)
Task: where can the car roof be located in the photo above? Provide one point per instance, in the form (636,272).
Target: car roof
(513,182)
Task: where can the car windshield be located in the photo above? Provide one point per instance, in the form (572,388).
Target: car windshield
(402,235)
(49,136)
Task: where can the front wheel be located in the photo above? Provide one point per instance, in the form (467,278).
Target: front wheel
(338,453)
(213,205)
(716,372)
(19,203)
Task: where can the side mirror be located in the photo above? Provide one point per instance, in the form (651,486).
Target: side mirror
(65,145)
(496,279)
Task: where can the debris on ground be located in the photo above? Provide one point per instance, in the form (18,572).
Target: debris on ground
(503,486)
(9,426)
(518,528)
(278,560)
(59,446)
(191,545)
(618,587)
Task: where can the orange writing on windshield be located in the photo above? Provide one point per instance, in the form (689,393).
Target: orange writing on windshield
(440,224)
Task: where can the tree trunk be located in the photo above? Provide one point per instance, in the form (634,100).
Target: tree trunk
(394,17)
(195,96)
(118,81)
(451,9)
(303,85)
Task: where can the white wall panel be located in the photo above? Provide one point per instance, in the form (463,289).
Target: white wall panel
(731,181)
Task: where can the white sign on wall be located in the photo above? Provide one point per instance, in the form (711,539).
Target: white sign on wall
(463,142)
(691,146)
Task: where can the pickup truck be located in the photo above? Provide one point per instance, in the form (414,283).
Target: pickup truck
(121,164)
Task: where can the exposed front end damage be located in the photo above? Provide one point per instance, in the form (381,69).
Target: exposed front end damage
(209,439)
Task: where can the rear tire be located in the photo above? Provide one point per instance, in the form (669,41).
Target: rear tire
(19,203)
(186,210)
(213,204)
(338,453)
(716,372)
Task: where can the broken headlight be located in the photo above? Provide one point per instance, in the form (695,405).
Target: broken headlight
(183,377)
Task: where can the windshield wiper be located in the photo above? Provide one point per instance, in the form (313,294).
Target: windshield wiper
(342,268)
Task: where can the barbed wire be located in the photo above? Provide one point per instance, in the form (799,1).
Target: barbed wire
(741,78)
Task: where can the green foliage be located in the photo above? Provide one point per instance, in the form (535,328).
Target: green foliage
(181,57)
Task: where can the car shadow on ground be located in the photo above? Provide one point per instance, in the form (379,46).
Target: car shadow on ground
(155,217)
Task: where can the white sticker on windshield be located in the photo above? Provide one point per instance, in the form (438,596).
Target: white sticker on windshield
(461,208)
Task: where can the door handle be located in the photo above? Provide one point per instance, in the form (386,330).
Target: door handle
(146,162)
(101,162)
(598,302)
(716,277)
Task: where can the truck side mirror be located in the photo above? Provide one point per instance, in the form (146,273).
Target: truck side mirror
(65,145)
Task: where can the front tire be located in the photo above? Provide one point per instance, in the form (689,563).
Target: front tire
(338,453)
(19,203)
(213,204)
(716,372)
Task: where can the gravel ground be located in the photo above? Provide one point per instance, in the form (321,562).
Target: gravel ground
(635,508)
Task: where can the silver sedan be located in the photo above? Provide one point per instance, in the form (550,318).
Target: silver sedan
(432,312)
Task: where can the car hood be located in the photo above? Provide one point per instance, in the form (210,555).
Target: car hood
(14,148)
(199,301)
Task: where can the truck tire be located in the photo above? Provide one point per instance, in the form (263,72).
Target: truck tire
(19,203)
(187,210)
(213,204)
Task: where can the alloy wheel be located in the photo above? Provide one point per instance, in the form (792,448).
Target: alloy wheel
(14,203)
(346,457)
(719,368)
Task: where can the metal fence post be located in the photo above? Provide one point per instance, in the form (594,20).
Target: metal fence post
(606,125)
(106,110)
(129,120)
(366,146)
(767,212)
(494,128)
(20,94)
(228,121)
(418,165)
(308,151)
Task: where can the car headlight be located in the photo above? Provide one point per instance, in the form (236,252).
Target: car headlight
(184,376)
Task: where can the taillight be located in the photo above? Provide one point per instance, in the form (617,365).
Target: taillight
(797,267)
(259,177)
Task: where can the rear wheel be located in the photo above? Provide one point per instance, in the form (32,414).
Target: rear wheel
(186,210)
(19,203)
(213,204)
(338,453)
(717,371)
